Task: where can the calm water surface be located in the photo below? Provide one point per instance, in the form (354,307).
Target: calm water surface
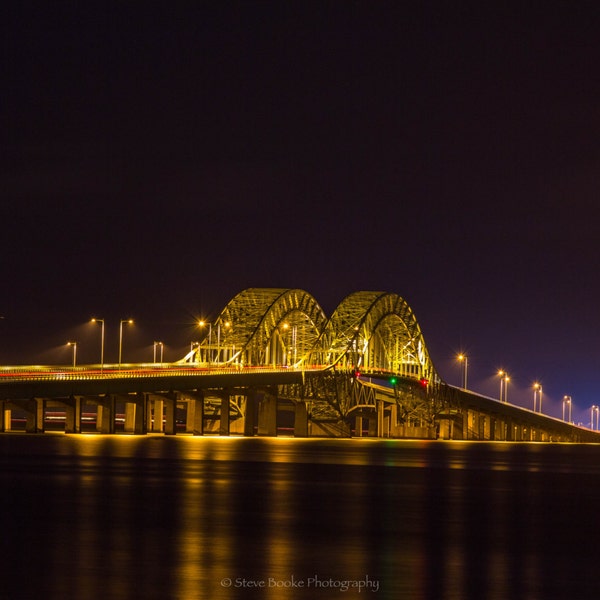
(103,517)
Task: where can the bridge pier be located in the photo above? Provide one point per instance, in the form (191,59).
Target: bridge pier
(37,425)
(225,418)
(250,413)
(34,414)
(358,426)
(105,415)
(380,419)
(154,413)
(267,415)
(499,430)
(195,413)
(393,430)
(301,420)
(73,414)
(135,421)
(463,433)
(161,414)
(170,405)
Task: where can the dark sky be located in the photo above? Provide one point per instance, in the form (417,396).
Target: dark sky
(160,157)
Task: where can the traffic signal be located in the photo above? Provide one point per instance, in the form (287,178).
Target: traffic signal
(393,380)
(424,382)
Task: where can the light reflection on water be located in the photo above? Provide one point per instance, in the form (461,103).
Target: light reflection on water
(174,517)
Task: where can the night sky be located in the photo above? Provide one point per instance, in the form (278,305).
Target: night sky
(160,157)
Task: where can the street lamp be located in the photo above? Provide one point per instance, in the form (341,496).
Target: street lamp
(465,363)
(74,344)
(226,325)
(130,321)
(94,320)
(504,379)
(285,326)
(161,351)
(203,324)
(537,396)
(566,405)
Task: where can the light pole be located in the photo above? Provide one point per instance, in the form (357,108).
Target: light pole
(566,405)
(203,324)
(94,320)
(504,379)
(161,351)
(129,321)
(285,326)
(226,326)
(462,358)
(192,346)
(74,344)
(537,396)
(594,411)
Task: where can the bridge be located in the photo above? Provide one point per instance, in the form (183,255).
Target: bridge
(273,362)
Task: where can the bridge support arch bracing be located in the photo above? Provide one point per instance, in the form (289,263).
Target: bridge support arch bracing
(263,327)
(376,331)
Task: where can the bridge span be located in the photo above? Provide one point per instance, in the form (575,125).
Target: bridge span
(272,362)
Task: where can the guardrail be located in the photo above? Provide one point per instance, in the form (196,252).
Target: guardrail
(12,374)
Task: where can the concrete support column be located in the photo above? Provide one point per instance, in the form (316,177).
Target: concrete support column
(467,424)
(500,430)
(301,420)
(140,414)
(3,413)
(460,427)
(73,415)
(510,431)
(105,421)
(518,433)
(478,425)
(380,419)
(358,426)
(444,429)
(250,413)
(372,424)
(488,427)
(267,416)
(195,414)
(130,410)
(170,413)
(159,406)
(40,411)
(7,419)
(135,421)
(394,420)
(225,417)
(149,407)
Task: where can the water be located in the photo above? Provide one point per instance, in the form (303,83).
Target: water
(103,517)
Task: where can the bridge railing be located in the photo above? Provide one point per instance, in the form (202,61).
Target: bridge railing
(143,371)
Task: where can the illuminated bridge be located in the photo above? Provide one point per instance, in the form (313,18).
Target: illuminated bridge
(273,362)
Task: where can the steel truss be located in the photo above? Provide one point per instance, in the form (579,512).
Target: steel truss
(372,332)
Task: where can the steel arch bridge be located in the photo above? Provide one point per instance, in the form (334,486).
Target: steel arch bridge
(272,351)
(368,331)
(371,338)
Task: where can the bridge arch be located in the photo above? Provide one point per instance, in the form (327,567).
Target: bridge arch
(377,331)
(265,326)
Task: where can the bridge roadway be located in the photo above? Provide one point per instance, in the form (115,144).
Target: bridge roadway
(192,399)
